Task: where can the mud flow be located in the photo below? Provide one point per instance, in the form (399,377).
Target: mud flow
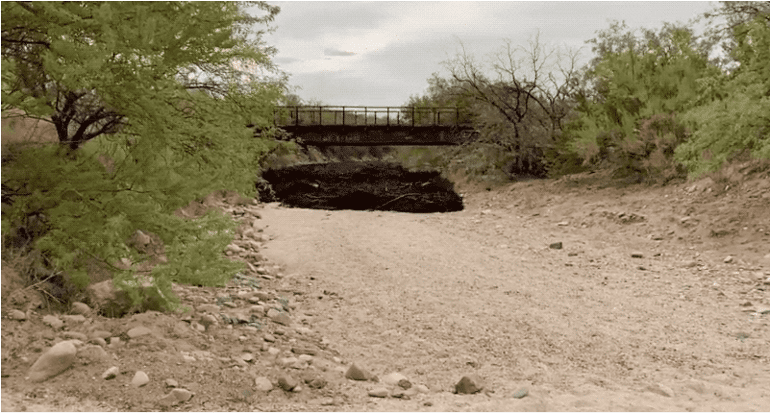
(378,186)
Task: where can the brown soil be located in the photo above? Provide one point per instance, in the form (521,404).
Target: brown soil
(637,311)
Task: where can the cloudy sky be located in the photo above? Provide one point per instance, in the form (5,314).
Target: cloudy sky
(381,53)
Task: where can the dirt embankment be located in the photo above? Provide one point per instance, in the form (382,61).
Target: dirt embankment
(656,300)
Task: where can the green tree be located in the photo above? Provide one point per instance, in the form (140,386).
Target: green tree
(633,80)
(163,95)
(733,117)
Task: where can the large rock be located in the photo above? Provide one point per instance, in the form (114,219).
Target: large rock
(355,372)
(113,302)
(53,361)
(469,385)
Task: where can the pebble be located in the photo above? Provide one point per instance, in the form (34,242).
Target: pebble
(637,255)
(80,308)
(53,321)
(53,361)
(288,361)
(728,259)
(171,383)
(273,351)
(175,397)
(138,332)
(404,384)
(263,384)
(18,315)
(379,392)
(556,246)
(422,388)
(357,373)
(269,338)
(99,341)
(140,379)
(247,357)
(110,373)
(469,385)
(520,393)
(287,382)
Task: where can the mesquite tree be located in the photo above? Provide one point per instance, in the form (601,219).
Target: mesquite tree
(525,96)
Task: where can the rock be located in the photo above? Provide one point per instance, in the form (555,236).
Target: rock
(379,392)
(53,321)
(520,393)
(555,246)
(233,248)
(318,383)
(469,385)
(399,393)
(100,334)
(269,338)
(273,351)
(113,302)
(357,373)
(393,378)
(637,255)
(305,357)
(288,361)
(304,349)
(562,224)
(17,315)
(110,373)
(74,319)
(728,259)
(422,388)
(75,335)
(53,361)
(263,384)
(93,353)
(208,320)
(140,379)
(171,383)
(287,382)
(208,308)
(281,318)
(262,296)
(660,389)
(138,332)
(115,342)
(405,384)
(175,397)
(247,357)
(80,308)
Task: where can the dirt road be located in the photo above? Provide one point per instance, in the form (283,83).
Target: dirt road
(620,318)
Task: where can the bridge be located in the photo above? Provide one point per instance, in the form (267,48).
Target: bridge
(374,126)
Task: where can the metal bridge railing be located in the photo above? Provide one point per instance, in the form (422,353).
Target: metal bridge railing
(369,116)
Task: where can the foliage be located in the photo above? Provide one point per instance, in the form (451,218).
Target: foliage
(184,81)
(637,85)
(734,116)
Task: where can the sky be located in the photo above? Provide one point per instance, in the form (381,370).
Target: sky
(373,53)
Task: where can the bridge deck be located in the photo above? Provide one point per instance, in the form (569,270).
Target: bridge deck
(370,126)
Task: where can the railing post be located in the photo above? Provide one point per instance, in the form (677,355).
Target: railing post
(438,118)
(296,116)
